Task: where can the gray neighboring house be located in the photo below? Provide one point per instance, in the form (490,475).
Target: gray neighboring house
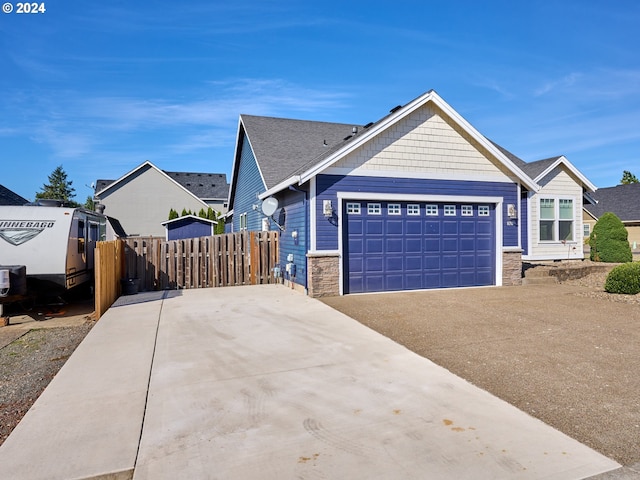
(623,201)
(8,197)
(142,198)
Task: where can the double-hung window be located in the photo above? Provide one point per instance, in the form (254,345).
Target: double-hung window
(556,219)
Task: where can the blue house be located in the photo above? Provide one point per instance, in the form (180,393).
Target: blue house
(189,226)
(417,200)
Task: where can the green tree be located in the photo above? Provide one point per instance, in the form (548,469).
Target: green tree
(173,214)
(628,177)
(609,240)
(58,188)
(89,204)
(202,213)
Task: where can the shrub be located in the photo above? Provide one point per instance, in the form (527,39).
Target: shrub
(624,279)
(608,241)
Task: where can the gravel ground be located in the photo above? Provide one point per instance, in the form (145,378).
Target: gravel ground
(28,364)
(568,354)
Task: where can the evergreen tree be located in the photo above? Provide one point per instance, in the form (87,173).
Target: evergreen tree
(89,204)
(628,177)
(58,188)
(173,214)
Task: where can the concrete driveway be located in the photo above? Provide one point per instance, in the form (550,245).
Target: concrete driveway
(262,382)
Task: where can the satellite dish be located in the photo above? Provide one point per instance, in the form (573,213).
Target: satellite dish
(269,206)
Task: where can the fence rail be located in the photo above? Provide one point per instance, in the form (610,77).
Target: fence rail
(244,258)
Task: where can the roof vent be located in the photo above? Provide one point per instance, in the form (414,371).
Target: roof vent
(368,125)
(354,130)
(395,109)
(324,143)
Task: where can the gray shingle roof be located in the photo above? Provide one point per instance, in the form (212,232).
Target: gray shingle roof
(623,200)
(282,146)
(202,185)
(8,197)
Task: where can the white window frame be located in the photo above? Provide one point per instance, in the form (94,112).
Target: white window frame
(353,208)
(466,210)
(413,209)
(394,209)
(586,230)
(243,221)
(484,211)
(431,210)
(374,209)
(450,211)
(557,220)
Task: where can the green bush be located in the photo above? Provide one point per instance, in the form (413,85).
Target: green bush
(609,241)
(624,279)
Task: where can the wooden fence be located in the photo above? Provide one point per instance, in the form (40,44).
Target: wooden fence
(244,258)
(109,269)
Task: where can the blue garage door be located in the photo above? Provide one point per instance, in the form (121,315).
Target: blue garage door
(408,246)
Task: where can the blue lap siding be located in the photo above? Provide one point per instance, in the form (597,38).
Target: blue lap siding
(327,187)
(293,216)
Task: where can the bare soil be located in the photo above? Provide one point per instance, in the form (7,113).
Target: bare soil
(568,354)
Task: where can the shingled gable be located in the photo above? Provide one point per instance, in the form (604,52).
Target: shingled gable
(323,161)
(282,145)
(622,200)
(203,186)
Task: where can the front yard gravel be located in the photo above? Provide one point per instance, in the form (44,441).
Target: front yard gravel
(568,354)
(28,364)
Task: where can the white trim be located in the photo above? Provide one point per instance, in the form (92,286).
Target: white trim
(147,163)
(195,217)
(401,113)
(552,257)
(313,231)
(497,202)
(281,186)
(519,218)
(562,159)
(364,172)
(323,253)
(402,197)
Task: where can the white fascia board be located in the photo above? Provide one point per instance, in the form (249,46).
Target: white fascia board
(236,159)
(375,196)
(312,214)
(131,172)
(430,96)
(206,220)
(281,186)
(563,160)
(148,163)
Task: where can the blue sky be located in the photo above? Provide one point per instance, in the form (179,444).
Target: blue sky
(100,87)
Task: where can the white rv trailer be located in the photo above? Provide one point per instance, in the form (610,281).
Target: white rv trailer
(56,244)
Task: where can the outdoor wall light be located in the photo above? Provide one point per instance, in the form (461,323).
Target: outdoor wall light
(327,208)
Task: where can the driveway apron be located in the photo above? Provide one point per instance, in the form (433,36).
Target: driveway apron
(265,383)
(262,382)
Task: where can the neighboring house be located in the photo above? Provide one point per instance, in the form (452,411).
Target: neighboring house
(622,200)
(419,199)
(189,226)
(142,198)
(7,197)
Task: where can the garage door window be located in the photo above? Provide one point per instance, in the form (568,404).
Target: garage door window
(413,209)
(483,210)
(393,209)
(449,210)
(374,209)
(353,208)
(431,210)
(467,211)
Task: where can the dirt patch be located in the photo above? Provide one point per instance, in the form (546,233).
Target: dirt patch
(568,354)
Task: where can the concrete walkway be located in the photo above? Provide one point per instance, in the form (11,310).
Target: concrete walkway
(262,382)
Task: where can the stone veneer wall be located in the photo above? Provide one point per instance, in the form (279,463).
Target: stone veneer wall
(512,268)
(324,275)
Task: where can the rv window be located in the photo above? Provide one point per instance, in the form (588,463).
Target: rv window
(93,232)
(80,236)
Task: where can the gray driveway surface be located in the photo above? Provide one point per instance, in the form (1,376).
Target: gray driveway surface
(263,382)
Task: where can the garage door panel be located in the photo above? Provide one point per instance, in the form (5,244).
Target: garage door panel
(387,249)
(394,227)
(374,227)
